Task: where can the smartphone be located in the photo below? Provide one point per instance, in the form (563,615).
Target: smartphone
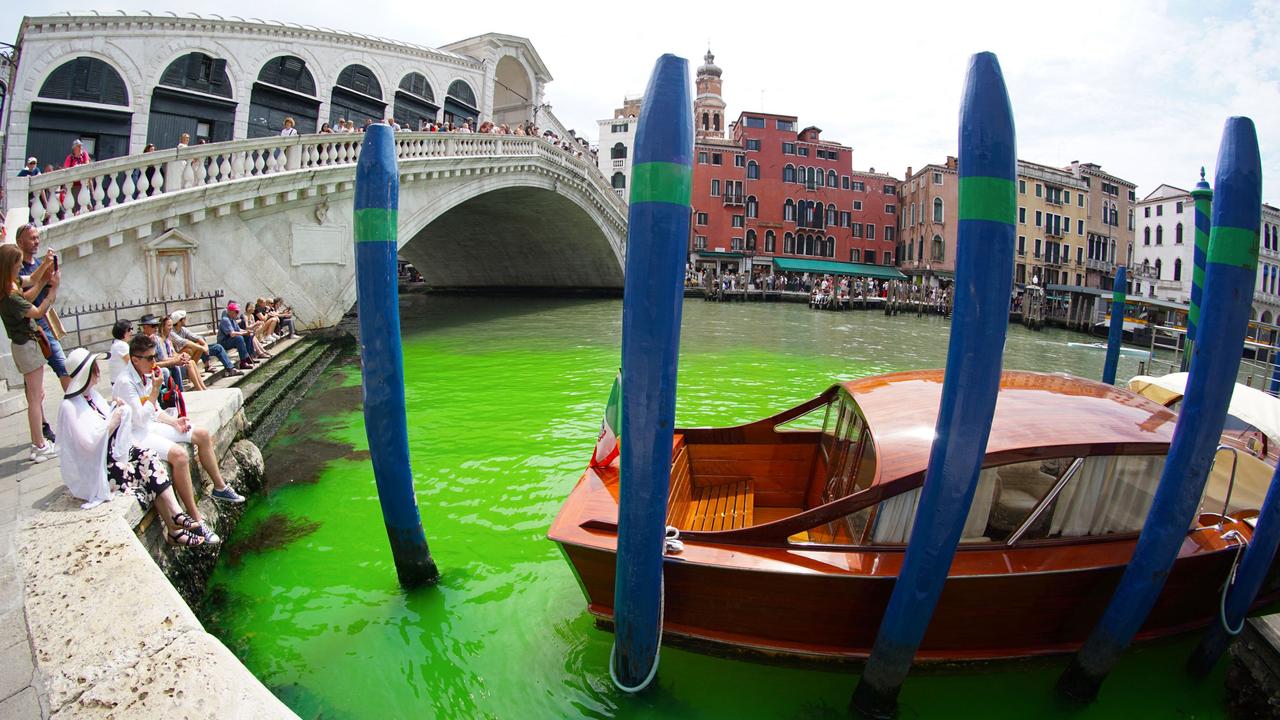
(55,263)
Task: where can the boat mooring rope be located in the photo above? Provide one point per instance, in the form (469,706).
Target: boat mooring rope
(671,544)
(1226,587)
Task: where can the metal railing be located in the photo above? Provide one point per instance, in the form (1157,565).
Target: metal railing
(61,194)
(90,325)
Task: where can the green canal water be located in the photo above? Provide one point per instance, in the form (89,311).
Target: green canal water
(505,399)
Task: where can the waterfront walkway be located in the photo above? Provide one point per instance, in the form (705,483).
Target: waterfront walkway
(89,625)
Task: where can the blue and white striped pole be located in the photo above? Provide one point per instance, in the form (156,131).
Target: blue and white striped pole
(377,202)
(984,279)
(1254,567)
(657,240)
(1115,333)
(1228,293)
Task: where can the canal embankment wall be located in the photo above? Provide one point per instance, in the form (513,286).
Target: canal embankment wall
(96,614)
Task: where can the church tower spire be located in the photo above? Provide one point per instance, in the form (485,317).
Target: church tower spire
(708,107)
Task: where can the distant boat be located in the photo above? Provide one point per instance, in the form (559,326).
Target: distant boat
(793,537)
(1132,352)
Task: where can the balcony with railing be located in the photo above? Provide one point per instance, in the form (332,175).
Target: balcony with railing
(732,199)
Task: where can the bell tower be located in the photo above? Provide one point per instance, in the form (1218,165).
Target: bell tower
(708,107)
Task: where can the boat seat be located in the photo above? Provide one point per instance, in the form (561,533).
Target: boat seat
(1020,488)
(724,506)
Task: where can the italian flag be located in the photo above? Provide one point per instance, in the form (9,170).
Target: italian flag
(607,444)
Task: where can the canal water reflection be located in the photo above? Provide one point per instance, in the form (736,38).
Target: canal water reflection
(505,398)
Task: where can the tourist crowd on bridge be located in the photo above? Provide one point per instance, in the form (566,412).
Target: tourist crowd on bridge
(134,442)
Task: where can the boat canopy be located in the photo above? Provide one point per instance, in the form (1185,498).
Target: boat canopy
(831,267)
(1248,404)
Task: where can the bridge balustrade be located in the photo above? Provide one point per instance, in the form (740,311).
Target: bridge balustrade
(62,194)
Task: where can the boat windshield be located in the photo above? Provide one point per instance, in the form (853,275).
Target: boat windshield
(1040,499)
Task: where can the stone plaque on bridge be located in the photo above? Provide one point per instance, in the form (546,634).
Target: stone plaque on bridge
(321,245)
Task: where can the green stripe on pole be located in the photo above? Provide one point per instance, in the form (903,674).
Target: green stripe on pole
(376,225)
(1234,246)
(1118,294)
(988,198)
(661,182)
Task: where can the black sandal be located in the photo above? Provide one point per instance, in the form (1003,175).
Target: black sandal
(183,538)
(185,521)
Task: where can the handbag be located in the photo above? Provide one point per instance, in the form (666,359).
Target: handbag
(55,324)
(43,342)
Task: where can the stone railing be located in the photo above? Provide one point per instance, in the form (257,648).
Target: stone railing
(62,194)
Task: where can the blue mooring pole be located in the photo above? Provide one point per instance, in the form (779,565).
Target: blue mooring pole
(984,280)
(377,202)
(657,241)
(1203,197)
(1254,566)
(1228,292)
(1115,333)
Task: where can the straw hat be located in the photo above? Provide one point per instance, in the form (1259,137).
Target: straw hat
(79,367)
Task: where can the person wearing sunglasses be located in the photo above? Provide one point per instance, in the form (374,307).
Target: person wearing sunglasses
(153,428)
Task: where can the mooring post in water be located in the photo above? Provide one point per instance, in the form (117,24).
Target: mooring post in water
(1202,195)
(984,280)
(657,236)
(1228,292)
(377,202)
(1115,333)
(1252,570)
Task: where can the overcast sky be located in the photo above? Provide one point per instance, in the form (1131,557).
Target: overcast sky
(1141,87)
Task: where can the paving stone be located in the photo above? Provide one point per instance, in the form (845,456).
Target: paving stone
(24,705)
(16,669)
(13,629)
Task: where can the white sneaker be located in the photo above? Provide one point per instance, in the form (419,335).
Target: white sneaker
(45,452)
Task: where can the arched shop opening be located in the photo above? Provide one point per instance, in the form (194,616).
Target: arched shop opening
(285,88)
(460,103)
(512,93)
(357,96)
(83,99)
(193,97)
(415,101)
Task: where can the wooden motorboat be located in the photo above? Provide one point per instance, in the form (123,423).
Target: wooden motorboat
(792,537)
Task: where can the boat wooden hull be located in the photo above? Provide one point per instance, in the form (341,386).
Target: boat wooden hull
(979,617)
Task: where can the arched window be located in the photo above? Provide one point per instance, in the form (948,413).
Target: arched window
(789,244)
(619,181)
(831,215)
(753,207)
(789,211)
(706,121)
(831,247)
(831,179)
(1177,268)
(939,248)
(357,96)
(193,97)
(1159,264)
(460,103)
(937,209)
(751,240)
(788,174)
(86,79)
(753,170)
(105,130)
(415,101)
(1146,236)
(618,151)
(461,91)
(810,176)
(1177,234)
(819,177)
(1159,234)
(285,88)
(809,245)
(770,240)
(715,122)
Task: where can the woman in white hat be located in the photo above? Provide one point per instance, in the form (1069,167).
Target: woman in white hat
(95,456)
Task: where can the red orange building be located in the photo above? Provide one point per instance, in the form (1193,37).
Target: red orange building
(770,195)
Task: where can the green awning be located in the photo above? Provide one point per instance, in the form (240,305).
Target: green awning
(717,254)
(944,274)
(830,267)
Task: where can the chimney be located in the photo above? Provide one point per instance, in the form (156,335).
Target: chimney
(908,172)
(951,162)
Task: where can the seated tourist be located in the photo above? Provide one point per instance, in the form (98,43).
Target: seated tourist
(190,369)
(285,313)
(247,323)
(151,428)
(193,344)
(265,315)
(118,356)
(173,365)
(233,337)
(94,458)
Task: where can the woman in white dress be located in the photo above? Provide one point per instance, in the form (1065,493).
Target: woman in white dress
(95,456)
